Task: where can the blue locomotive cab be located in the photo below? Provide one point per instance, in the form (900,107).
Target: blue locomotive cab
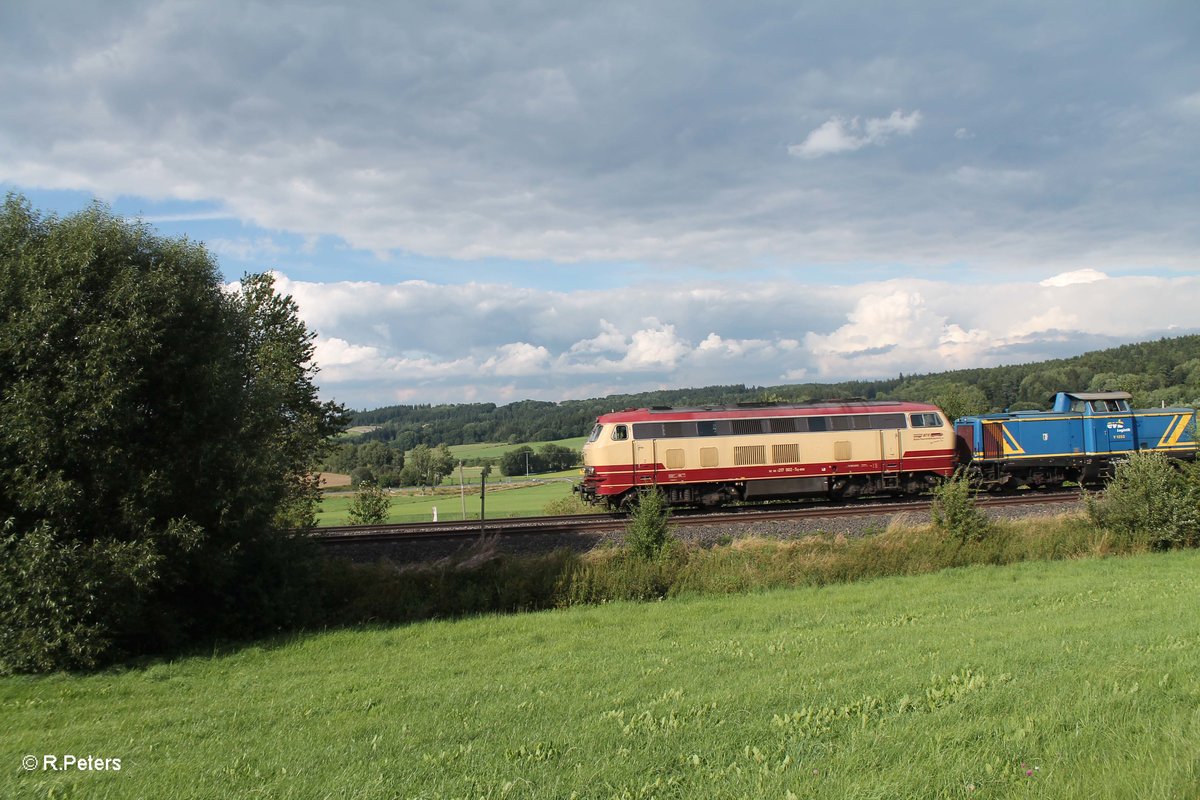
(1078,440)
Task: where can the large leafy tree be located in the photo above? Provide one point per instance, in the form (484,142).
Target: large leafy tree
(157,438)
(426,466)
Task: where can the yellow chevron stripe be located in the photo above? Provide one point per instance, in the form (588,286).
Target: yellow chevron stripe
(1010,443)
(1185,420)
(1175,429)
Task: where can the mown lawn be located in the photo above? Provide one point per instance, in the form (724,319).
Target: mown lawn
(1051,679)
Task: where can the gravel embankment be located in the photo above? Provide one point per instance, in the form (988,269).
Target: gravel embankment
(699,534)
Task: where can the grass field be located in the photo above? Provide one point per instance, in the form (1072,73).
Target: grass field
(495,450)
(1061,679)
(409,506)
(506,497)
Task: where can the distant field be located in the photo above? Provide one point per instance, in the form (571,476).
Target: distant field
(334,480)
(496,449)
(505,499)
(515,497)
(358,429)
(1066,679)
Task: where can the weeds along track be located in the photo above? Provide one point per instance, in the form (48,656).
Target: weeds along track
(597,525)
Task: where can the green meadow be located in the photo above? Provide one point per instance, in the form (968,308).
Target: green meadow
(506,497)
(1060,679)
(515,496)
(495,449)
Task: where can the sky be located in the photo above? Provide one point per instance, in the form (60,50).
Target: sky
(497,201)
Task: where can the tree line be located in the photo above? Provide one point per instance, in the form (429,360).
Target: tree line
(383,465)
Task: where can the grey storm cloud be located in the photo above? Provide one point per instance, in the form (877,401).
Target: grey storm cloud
(661,133)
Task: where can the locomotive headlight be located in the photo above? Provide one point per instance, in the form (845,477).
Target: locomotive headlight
(589,470)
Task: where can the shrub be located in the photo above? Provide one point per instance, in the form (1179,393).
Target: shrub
(369,506)
(476,581)
(361,475)
(648,529)
(64,603)
(623,574)
(954,512)
(1152,501)
(571,504)
(157,443)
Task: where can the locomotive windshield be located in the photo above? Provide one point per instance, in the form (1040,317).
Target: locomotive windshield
(596,432)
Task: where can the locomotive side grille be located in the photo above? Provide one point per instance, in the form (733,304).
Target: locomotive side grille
(708,456)
(785,453)
(743,456)
(993,440)
(783,425)
(673,459)
(672,430)
(841,451)
(742,427)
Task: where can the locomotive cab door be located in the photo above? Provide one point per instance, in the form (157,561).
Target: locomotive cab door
(645,462)
(1121,431)
(891,453)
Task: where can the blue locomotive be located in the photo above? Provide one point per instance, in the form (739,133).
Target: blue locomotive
(1078,440)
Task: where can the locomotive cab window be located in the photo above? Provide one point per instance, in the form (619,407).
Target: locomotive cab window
(620,433)
(596,432)
(925,420)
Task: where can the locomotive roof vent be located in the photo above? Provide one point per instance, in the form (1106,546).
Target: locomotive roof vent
(1099,395)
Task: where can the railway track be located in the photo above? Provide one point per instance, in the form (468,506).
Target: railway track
(601,523)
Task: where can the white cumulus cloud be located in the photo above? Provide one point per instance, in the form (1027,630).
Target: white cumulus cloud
(840,135)
(1074,278)
(518,358)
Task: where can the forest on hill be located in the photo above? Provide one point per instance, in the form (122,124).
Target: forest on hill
(1164,371)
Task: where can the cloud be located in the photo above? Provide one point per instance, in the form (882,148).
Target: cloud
(609,340)
(518,358)
(840,135)
(556,200)
(1006,179)
(589,136)
(379,343)
(1052,319)
(1074,278)
(656,347)
(244,249)
(1189,105)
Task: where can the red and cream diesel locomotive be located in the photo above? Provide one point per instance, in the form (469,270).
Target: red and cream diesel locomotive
(718,454)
